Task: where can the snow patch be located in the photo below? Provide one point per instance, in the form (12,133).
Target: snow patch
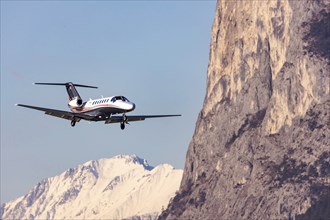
(122,187)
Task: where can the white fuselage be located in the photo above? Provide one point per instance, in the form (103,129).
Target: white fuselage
(103,107)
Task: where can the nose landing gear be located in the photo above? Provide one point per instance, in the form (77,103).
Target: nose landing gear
(122,124)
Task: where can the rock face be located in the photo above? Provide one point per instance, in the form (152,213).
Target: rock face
(116,188)
(261,147)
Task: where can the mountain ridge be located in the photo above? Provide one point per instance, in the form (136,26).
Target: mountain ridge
(115,188)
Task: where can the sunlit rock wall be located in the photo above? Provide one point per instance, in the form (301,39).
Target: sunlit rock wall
(261,147)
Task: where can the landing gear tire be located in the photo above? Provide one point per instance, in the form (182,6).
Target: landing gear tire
(73,123)
(122,126)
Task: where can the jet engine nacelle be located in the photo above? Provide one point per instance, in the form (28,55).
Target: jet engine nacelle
(76,102)
(79,102)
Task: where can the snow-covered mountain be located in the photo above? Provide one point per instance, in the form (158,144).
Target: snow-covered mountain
(116,188)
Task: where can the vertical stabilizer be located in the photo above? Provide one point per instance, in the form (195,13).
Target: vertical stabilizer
(72,92)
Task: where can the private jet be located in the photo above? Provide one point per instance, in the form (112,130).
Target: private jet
(103,109)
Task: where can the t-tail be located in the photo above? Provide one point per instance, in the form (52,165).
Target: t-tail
(74,97)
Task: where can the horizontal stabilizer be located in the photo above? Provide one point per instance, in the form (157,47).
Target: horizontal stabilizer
(65,84)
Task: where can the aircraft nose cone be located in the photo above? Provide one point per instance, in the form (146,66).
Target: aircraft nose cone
(133,106)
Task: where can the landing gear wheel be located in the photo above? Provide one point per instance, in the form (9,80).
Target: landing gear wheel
(122,126)
(73,123)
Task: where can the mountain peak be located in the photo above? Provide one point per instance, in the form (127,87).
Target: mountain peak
(134,159)
(111,188)
(122,163)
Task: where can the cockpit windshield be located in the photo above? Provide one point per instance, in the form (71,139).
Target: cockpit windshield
(122,98)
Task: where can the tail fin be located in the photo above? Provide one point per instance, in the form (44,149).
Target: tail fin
(70,88)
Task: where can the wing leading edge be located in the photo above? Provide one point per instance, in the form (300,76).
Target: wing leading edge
(57,113)
(129,118)
(78,116)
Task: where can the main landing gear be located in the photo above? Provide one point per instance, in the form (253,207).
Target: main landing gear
(73,123)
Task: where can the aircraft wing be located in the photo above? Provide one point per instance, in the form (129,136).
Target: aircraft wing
(57,113)
(129,118)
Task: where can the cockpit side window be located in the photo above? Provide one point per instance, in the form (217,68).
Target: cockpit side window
(122,98)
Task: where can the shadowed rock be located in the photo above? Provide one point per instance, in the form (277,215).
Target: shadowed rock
(261,147)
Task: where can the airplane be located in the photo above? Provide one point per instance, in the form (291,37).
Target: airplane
(103,109)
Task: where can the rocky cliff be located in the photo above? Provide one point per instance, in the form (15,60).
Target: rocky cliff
(261,147)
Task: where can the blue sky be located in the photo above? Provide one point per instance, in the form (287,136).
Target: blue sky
(153,52)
